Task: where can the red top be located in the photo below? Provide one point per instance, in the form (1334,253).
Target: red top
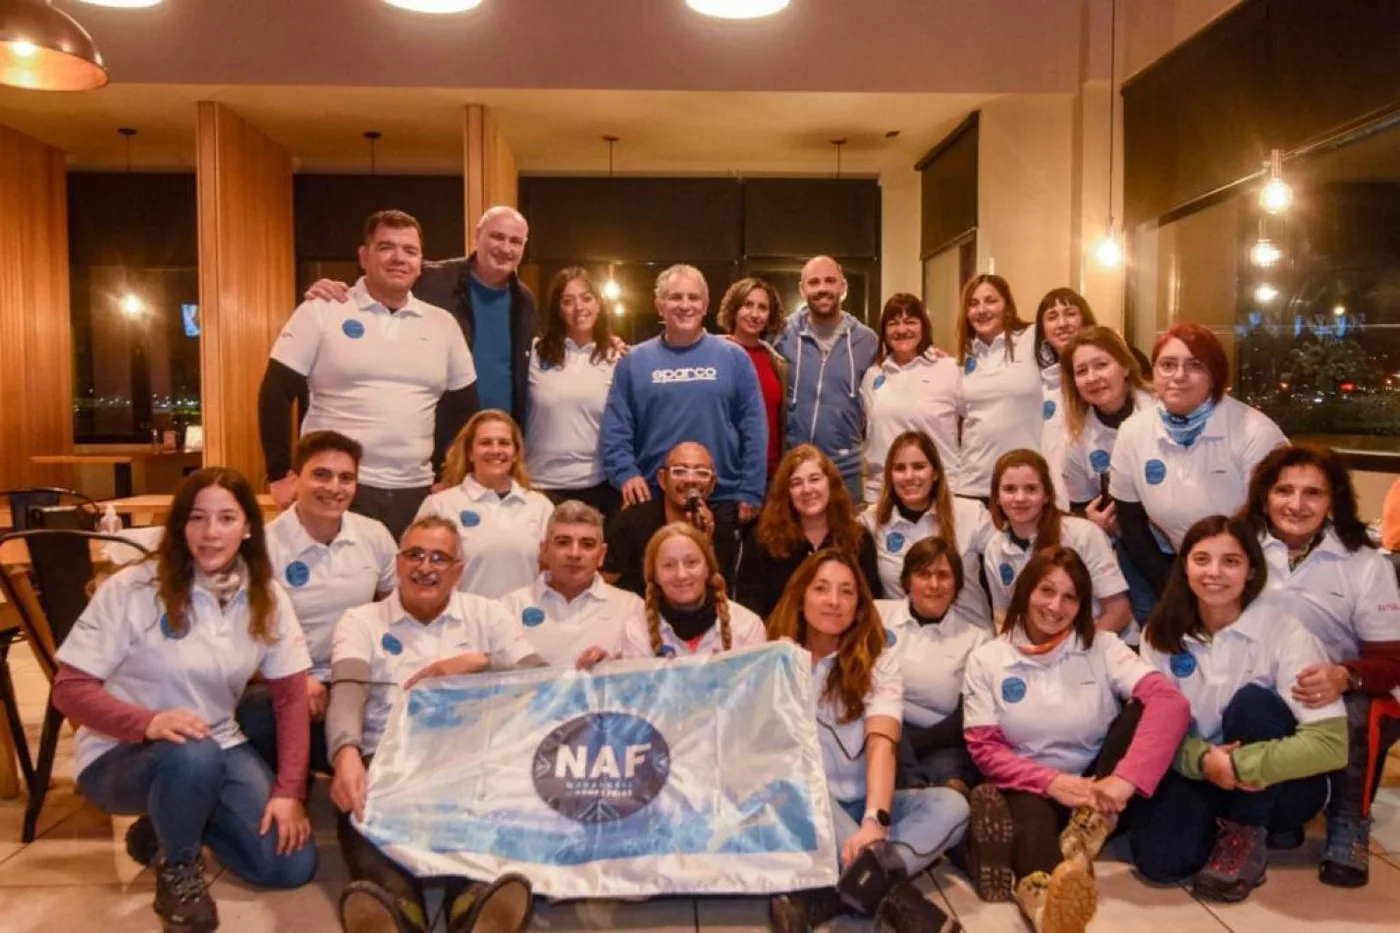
(772,401)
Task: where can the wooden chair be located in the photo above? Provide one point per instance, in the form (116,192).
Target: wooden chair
(49,595)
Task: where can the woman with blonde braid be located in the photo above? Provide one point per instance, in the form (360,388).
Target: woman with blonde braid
(687,611)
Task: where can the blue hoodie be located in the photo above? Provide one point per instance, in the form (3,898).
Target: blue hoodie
(824,404)
(707,392)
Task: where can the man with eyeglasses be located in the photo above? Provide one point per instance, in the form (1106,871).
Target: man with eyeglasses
(424,629)
(686,479)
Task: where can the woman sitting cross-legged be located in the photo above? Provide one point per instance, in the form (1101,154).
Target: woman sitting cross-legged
(152,672)
(885,836)
(1069,726)
(1256,759)
(931,637)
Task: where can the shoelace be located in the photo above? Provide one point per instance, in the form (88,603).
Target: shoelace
(187,883)
(1231,849)
(1352,838)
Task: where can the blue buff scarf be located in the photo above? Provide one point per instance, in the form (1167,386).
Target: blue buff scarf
(1184,429)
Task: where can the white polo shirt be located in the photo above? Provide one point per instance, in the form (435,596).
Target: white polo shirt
(377,376)
(124,639)
(1052,431)
(931,658)
(1088,456)
(1264,646)
(1341,598)
(1004,408)
(564,428)
(562,630)
(1177,485)
(843,744)
(972,525)
(500,536)
(1004,559)
(923,395)
(1054,709)
(396,646)
(745,630)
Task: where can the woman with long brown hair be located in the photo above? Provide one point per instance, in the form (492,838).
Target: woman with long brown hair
(489,495)
(827,609)
(152,673)
(808,508)
(751,315)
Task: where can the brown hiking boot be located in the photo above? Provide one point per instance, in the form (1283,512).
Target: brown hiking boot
(1061,902)
(182,898)
(1085,836)
(365,907)
(503,906)
(989,833)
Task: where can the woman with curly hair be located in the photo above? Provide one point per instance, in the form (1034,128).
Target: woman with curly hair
(808,508)
(885,834)
(687,609)
(488,494)
(751,315)
(152,672)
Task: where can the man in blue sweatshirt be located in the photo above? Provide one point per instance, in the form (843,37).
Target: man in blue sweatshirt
(827,351)
(686,385)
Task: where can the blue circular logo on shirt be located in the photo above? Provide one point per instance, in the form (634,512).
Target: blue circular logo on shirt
(1013,690)
(170,631)
(298,573)
(894,542)
(1099,460)
(469,518)
(970,365)
(1155,471)
(352,329)
(601,767)
(1047,409)
(1183,664)
(890,637)
(879,381)
(1007,573)
(532,616)
(667,652)
(391,644)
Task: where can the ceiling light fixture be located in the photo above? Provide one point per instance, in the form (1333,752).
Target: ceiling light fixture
(1265,293)
(435,6)
(1265,253)
(132,305)
(1107,252)
(124,4)
(1276,195)
(44,49)
(737,9)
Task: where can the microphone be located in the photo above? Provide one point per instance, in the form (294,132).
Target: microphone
(692,503)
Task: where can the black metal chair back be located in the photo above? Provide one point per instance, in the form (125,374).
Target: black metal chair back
(26,501)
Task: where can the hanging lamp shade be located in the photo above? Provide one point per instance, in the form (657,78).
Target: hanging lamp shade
(45,49)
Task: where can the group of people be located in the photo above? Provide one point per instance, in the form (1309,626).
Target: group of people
(1052,592)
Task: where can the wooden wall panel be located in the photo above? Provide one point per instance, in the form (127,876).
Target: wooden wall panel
(247,283)
(488,167)
(36,331)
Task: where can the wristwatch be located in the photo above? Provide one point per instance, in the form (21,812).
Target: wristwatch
(1353,680)
(880,816)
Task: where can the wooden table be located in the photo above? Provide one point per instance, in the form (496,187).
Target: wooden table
(134,468)
(153,510)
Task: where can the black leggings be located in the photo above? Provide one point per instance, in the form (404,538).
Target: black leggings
(1040,820)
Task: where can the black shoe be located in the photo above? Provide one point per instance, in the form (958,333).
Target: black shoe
(182,898)
(906,910)
(866,881)
(141,842)
(503,906)
(365,907)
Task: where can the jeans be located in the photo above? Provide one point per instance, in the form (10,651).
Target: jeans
(1173,834)
(396,508)
(196,793)
(255,717)
(937,766)
(1355,786)
(1140,593)
(923,823)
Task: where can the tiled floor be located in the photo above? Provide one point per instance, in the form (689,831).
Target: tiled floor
(76,877)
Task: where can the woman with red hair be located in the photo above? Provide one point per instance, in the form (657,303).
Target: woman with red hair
(1188,456)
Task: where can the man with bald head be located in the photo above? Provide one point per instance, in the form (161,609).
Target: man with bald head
(828,351)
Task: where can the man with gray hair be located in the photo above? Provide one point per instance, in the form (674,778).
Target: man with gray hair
(570,614)
(686,385)
(494,308)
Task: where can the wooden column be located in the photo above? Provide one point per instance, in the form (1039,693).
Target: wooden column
(36,330)
(488,167)
(247,277)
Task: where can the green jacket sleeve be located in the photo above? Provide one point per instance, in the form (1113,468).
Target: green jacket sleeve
(1316,748)
(1188,757)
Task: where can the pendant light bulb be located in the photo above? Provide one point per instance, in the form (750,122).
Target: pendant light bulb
(1265,253)
(1276,196)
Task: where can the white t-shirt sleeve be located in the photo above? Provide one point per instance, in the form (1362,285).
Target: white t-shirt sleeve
(287,655)
(1081,485)
(1097,553)
(1293,648)
(979,705)
(1125,666)
(354,640)
(106,631)
(1260,436)
(385,554)
(300,339)
(461,369)
(745,627)
(508,644)
(1124,467)
(1377,615)
(432,505)
(886,694)
(636,637)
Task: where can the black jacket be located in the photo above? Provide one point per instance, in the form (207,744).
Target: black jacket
(445,284)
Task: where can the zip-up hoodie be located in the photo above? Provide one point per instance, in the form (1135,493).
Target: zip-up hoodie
(823,395)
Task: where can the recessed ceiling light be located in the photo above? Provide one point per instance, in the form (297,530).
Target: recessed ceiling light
(127,4)
(737,9)
(435,6)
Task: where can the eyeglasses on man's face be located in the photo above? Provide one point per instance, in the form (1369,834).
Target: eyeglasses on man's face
(700,474)
(435,558)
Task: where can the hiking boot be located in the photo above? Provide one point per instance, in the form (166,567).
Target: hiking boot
(1063,901)
(1084,838)
(1237,863)
(905,909)
(365,907)
(801,911)
(503,906)
(1346,862)
(959,785)
(182,898)
(141,842)
(866,881)
(989,834)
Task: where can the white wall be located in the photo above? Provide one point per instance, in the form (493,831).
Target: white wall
(900,227)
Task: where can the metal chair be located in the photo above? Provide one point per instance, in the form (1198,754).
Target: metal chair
(48,597)
(25,501)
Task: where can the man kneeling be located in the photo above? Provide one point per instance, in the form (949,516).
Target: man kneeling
(384,648)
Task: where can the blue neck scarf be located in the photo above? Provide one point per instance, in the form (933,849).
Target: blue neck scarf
(1184,429)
